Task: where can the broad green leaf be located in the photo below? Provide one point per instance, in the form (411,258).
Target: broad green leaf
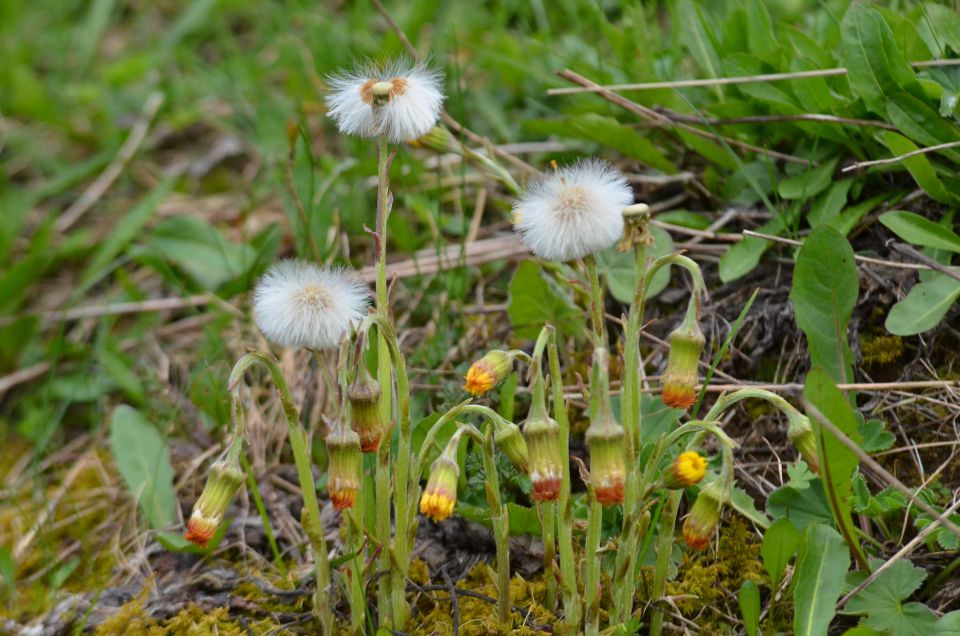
(822,564)
(743,256)
(920,122)
(535,301)
(829,204)
(852,214)
(201,250)
(749,598)
(924,306)
(874,437)
(918,166)
(743,503)
(838,462)
(918,230)
(882,600)
(949,624)
(802,506)
(823,295)
(620,273)
(876,68)
(939,28)
(780,543)
(143,459)
(808,184)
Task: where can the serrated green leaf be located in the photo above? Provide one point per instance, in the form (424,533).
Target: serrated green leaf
(874,437)
(924,306)
(822,564)
(948,625)
(918,230)
(143,459)
(882,600)
(780,543)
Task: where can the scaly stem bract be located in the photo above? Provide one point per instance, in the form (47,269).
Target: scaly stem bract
(596,301)
(668,519)
(591,569)
(310,518)
(568,567)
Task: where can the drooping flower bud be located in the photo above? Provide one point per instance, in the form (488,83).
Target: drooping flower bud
(223,481)
(440,495)
(608,469)
(488,372)
(436,139)
(546,468)
(680,378)
(364,396)
(343,471)
(701,524)
(686,470)
(509,439)
(802,436)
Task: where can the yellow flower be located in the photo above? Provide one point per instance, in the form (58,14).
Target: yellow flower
(686,470)
(488,372)
(440,494)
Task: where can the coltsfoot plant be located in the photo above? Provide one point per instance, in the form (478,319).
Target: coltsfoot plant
(566,216)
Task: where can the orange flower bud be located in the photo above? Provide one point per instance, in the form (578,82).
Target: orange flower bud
(686,470)
(488,372)
(440,495)
(364,396)
(680,378)
(608,470)
(546,457)
(701,524)
(225,478)
(343,471)
(437,139)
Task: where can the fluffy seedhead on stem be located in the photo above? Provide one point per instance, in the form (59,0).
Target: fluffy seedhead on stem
(224,479)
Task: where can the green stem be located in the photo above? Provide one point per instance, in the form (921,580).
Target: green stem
(568,567)
(668,520)
(596,301)
(591,569)
(353,521)
(548,517)
(501,527)
(310,518)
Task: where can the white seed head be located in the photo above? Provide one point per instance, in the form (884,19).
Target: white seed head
(300,304)
(402,100)
(573,211)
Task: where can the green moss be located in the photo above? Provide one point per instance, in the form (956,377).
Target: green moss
(707,582)
(880,349)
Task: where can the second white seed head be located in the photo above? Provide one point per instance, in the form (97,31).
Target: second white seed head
(573,211)
(401,100)
(301,304)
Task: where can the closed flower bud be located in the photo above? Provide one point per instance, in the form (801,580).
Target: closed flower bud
(225,478)
(440,495)
(608,470)
(801,435)
(546,458)
(364,396)
(680,378)
(437,139)
(686,470)
(488,372)
(343,471)
(509,439)
(701,524)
